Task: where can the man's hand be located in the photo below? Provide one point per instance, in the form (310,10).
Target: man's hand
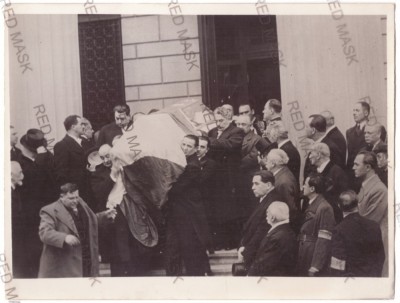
(71,240)
(41,150)
(240,256)
(110,214)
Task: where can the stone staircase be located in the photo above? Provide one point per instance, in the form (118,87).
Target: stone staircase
(221,265)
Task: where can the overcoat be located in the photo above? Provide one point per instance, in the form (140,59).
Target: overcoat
(58,259)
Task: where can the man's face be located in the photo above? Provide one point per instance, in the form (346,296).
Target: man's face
(269,217)
(309,130)
(268,163)
(346,199)
(371,134)
(259,188)
(358,113)
(188,146)
(14,137)
(307,189)
(360,169)
(121,119)
(17,175)
(267,112)
(222,123)
(202,149)
(246,110)
(88,131)
(229,108)
(106,158)
(382,160)
(314,157)
(79,127)
(70,200)
(244,123)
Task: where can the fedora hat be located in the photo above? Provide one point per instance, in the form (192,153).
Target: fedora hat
(33,139)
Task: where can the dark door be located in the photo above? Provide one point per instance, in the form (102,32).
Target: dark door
(240,60)
(102,74)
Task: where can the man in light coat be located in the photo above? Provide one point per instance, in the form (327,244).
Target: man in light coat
(68,230)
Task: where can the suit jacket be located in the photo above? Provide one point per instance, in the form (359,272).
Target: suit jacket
(15,154)
(357,248)
(337,137)
(277,253)
(207,184)
(374,148)
(70,163)
(336,182)
(101,186)
(355,142)
(108,133)
(58,259)
(294,159)
(256,227)
(288,187)
(249,160)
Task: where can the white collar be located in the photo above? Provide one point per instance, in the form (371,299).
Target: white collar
(321,168)
(362,124)
(312,200)
(13,186)
(277,224)
(345,214)
(330,128)
(283,143)
(78,140)
(277,171)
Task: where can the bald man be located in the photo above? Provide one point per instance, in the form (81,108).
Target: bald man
(231,117)
(276,255)
(372,135)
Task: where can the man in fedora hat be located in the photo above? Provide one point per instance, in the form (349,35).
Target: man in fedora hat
(37,190)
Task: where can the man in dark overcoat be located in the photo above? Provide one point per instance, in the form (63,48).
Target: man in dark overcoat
(225,148)
(187,231)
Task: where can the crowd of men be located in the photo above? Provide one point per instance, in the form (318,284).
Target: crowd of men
(239,190)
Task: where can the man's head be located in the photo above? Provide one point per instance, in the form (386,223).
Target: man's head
(121,115)
(87,128)
(272,108)
(319,154)
(244,122)
(104,153)
(314,184)
(316,126)
(348,201)
(222,118)
(330,119)
(13,136)
(69,195)
(16,173)
(189,145)
(278,132)
(204,146)
(382,156)
(365,164)
(74,124)
(276,159)
(277,212)
(372,133)
(245,109)
(263,182)
(229,110)
(361,111)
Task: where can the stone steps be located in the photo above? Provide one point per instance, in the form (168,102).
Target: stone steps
(220,263)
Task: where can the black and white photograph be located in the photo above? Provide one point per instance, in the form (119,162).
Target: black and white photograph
(199,151)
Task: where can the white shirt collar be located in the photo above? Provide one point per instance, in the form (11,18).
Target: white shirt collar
(330,128)
(277,171)
(362,124)
(312,200)
(283,142)
(277,224)
(321,168)
(78,140)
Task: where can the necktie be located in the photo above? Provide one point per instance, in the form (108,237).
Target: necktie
(358,129)
(219,134)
